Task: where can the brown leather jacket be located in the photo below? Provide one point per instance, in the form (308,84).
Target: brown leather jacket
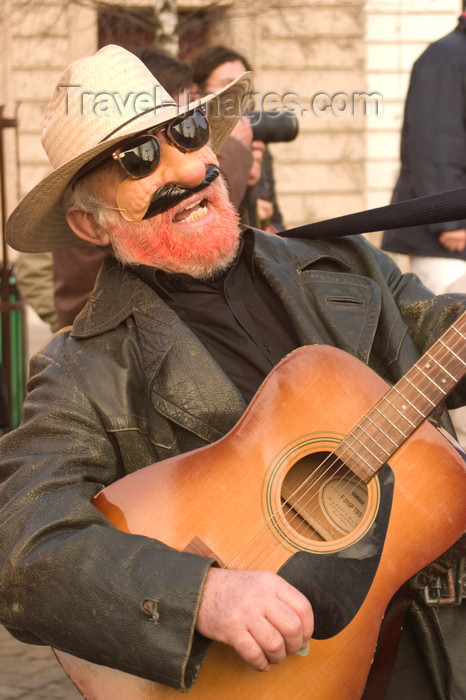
(130,385)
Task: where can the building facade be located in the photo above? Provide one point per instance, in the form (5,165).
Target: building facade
(341,67)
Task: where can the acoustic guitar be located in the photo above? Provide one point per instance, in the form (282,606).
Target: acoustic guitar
(333,479)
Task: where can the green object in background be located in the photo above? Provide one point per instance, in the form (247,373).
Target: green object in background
(12,326)
(12,354)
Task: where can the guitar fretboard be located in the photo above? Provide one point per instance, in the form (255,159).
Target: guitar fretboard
(403,408)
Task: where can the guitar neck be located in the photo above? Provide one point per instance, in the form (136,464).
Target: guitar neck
(403,408)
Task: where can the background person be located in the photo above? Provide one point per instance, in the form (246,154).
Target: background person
(213,68)
(433,159)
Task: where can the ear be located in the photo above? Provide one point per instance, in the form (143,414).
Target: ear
(83,225)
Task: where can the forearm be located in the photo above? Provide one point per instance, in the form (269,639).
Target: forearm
(68,578)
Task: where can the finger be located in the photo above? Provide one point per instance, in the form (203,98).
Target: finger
(289,626)
(270,640)
(249,649)
(298,602)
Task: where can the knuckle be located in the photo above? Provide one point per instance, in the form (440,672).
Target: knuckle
(276,646)
(294,627)
(249,650)
(257,659)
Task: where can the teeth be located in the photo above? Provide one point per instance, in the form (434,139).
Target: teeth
(193,204)
(198,214)
(195,215)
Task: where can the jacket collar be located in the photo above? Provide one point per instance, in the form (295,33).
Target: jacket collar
(298,253)
(167,344)
(118,293)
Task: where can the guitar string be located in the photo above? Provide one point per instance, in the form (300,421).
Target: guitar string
(422,414)
(441,369)
(439,366)
(297,512)
(310,485)
(273,516)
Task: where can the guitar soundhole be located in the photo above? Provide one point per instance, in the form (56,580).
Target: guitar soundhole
(322,499)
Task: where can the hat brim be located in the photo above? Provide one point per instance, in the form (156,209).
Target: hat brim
(38,224)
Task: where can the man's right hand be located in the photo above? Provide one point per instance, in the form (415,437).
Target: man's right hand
(454,241)
(258,613)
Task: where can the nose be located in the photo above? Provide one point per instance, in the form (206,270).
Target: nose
(187,170)
(183,169)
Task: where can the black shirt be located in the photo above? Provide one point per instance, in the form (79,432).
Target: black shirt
(237,316)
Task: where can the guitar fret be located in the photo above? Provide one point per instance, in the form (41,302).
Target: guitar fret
(386,435)
(355,460)
(427,366)
(450,359)
(371,438)
(355,437)
(405,405)
(376,408)
(403,397)
(452,352)
(393,425)
(432,403)
(432,381)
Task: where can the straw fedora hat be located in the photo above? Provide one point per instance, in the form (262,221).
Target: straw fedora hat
(98,102)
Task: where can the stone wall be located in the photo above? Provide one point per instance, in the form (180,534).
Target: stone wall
(311,49)
(42,38)
(341,161)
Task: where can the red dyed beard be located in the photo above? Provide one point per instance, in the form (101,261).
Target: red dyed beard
(160,243)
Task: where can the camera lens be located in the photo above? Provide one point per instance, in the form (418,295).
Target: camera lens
(272,127)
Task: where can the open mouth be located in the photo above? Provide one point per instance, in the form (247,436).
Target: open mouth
(192,212)
(170,196)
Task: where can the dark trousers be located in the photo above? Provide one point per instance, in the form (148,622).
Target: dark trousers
(431,659)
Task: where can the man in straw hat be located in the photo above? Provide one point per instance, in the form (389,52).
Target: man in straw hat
(189,314)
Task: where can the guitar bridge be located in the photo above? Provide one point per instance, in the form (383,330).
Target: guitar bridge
(198,546)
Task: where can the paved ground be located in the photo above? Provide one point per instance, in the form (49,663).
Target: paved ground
(31,672)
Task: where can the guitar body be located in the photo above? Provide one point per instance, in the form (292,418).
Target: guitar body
(350,548)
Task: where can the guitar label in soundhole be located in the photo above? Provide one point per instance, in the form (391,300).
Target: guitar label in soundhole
(343,502)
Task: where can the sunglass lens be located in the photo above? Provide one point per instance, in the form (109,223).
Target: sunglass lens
(141,157)
(191,131)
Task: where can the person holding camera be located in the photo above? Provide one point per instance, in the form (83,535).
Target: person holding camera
(213,68)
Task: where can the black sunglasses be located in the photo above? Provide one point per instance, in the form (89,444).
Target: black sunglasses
(140,156)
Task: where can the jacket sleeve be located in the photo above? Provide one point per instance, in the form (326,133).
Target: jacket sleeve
(34,276)
(74,274)
(68,578)
(425,316)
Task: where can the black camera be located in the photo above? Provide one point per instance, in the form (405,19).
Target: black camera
(273,127)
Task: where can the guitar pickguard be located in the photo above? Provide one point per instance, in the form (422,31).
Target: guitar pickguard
(336,583)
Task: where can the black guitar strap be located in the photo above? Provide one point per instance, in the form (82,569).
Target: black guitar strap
(430,209)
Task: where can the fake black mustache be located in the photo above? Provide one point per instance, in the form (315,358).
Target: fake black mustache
(170,195)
